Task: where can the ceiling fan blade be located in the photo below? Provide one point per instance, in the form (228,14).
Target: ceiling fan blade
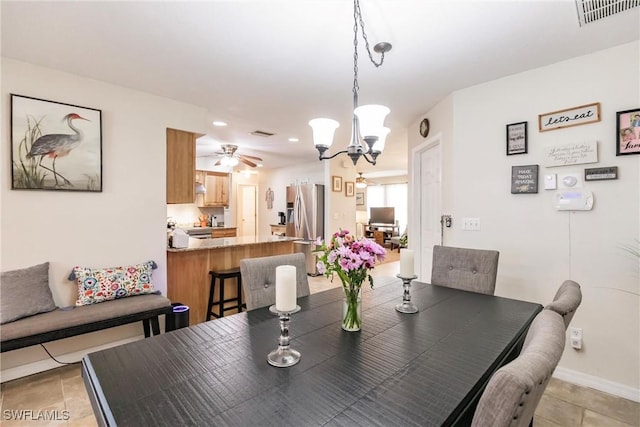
(246,162)
(250,157)
(218,163)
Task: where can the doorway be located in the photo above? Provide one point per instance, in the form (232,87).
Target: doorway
(247,210)
(427,203)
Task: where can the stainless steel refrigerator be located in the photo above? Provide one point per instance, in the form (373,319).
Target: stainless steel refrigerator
(305,219)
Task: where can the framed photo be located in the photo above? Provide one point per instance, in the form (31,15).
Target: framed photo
(349,188)
(576,116)
(628,132)
(524,179)
(517,138)
(55,146)
(336,183)
(359,198)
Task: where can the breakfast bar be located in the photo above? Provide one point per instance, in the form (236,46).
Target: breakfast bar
(188,268)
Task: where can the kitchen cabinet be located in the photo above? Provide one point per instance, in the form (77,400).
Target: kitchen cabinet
(181,163)
(223,232)
(217,186)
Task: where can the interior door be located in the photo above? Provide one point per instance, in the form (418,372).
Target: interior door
(247,210)
(427,196)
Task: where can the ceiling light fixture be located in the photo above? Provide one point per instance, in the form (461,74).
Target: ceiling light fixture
(367,123)
(219,123)
(361,182)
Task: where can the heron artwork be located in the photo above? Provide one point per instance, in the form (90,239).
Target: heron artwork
(56,145)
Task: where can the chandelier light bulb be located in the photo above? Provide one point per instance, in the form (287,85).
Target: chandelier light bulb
(323,130)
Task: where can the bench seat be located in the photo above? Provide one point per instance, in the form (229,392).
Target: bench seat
(64,323)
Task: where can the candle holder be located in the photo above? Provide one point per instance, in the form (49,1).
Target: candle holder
(407,306)
(283,356)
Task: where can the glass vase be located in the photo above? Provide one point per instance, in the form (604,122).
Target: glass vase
(352,312)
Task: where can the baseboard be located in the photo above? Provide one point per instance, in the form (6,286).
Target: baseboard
(48,364)
(600,384)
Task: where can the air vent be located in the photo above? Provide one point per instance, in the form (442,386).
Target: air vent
(593,10)
(262,133)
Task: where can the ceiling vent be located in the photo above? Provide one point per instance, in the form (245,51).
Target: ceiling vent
(593,10)
(262,133)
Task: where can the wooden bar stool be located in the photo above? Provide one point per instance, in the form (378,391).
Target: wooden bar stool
(222,275)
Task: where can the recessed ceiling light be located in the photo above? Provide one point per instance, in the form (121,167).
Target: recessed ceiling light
(219,123)
(259,165)
(293,140)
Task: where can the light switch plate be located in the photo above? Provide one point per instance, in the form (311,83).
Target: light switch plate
(550,182)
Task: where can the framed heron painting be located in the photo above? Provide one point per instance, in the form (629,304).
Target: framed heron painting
(55,146)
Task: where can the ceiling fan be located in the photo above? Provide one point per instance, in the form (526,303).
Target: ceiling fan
(231,158)
(361,181)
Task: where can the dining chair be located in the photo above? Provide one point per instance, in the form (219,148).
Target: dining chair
(467,269)
(259,278)
(566,302)
(514,391)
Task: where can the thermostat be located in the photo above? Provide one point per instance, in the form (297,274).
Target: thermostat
(574,200)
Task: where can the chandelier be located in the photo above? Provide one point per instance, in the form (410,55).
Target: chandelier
(367,131)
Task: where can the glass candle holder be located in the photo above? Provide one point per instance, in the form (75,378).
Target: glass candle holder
(284,356)
(406,306)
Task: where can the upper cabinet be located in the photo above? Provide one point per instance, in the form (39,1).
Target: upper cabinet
(217,186)
(181,165)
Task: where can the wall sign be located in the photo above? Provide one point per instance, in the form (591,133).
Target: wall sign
(524,179)
(575,116)
(517,138)
(574,153)
(599,174)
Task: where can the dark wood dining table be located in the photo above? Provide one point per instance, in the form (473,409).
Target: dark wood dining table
(422,369)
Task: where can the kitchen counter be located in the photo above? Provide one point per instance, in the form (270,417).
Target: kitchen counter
(228,242)
(188,279)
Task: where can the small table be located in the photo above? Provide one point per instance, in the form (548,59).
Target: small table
(428,368)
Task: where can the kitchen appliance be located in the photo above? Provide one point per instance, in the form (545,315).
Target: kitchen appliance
(282,218)
(305,219)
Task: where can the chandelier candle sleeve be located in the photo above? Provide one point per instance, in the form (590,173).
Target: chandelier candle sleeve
(406,263)
(285,288)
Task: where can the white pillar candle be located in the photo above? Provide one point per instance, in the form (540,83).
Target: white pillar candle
(285,288)
(406,263)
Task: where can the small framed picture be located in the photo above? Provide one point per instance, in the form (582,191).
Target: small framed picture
(336,183)
(359,198)
(349,188)
(628,132)
(524,179)
(517,138)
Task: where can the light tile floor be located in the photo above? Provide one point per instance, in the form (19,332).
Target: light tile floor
(60,394)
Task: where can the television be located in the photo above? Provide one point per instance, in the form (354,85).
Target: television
(384,215)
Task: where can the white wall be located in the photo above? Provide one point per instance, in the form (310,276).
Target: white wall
(278,180)
(124,224)
(539,246)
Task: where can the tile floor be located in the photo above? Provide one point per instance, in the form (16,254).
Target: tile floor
(60,394)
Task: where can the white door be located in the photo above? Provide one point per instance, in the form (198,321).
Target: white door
(247,210)
(427,206)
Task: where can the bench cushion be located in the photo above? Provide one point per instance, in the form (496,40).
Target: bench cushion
(78,316)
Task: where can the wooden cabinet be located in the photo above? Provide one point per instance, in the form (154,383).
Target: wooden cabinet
(381,233)
(181,163)
(223,232)
(217,186)
(278,229)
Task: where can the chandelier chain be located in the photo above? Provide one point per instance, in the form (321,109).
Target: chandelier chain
(364,36)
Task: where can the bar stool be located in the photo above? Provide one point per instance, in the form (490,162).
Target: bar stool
(222,275)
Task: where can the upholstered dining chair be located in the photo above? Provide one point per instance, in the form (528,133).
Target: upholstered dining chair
(514,391)
(566,302)
(259,278)
(468,269)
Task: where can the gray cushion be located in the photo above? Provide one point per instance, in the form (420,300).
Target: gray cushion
(566,302)
(514,391)
(25,292)
(259,278)
(468,269)
(75,316)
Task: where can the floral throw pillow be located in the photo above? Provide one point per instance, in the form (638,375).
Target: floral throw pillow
(105,284)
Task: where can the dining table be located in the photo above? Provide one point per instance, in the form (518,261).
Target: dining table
(422,369)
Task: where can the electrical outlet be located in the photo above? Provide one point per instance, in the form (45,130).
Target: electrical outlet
(471,224)
(575,337)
